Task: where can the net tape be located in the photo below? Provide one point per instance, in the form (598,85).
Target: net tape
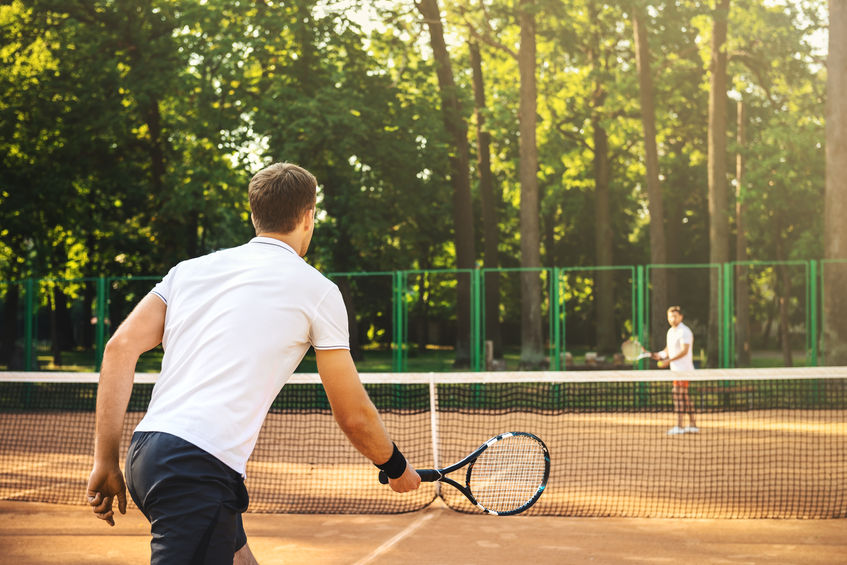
(772,442)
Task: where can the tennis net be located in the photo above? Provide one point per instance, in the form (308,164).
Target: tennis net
(772,443)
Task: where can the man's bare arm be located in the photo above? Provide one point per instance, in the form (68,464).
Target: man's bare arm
(356,414)
(140,332)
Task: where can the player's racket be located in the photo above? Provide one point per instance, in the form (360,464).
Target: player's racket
(633,351)
(505,475)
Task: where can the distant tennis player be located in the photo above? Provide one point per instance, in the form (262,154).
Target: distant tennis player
(678,353)
(234,325)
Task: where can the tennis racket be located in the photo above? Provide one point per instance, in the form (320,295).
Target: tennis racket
(505,475)
(633,351)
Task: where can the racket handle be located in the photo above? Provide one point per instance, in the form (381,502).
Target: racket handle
(427,476)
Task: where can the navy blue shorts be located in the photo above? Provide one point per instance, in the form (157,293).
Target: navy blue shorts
(192,500)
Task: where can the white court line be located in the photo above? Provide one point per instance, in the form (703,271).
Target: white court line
(396,539)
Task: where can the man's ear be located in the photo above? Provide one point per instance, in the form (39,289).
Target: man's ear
(308,219)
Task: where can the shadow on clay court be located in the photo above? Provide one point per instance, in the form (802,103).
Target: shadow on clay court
(44,534)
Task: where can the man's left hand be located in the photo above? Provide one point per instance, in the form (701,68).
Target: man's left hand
(103,486)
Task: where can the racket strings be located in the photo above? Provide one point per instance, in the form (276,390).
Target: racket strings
(631,349)
(508,474)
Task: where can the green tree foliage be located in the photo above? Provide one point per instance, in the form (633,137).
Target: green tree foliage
(129,130)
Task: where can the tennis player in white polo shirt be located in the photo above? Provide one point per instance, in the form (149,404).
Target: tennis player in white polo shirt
(678,354)
(234,326)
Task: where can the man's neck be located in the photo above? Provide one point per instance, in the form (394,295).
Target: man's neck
(290,239)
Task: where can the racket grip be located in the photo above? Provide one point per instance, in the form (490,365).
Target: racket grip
(427,476)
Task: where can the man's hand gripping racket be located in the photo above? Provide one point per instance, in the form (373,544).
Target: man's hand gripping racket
(505,475)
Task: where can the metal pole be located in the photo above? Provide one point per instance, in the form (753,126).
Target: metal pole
(483,301)
(812,313)
(725,318)
(28,324)
(563,322)
(404,319)
(397,323)
(642,303)
(100,331)
(731,312)
(555,334)
(475,321)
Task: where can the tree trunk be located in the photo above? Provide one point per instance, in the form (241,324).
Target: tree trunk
(718,202)
(673,234)
(532,352)
(742,286)
(835,228)
(457,129)
(605,292)
(658,248)
(490,203)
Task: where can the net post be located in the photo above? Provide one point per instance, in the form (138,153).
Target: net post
(433,423)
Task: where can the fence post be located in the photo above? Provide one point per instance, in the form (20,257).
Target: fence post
(400,321)
(725,323)
(555,328)
(395,323)
(476,309)
(730,274)
(100,332)
(28,315)
(640,329)
(812,316)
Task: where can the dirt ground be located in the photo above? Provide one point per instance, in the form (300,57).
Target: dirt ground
(44,534)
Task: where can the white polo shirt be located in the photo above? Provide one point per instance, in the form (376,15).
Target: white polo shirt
(238,323)
(677,338)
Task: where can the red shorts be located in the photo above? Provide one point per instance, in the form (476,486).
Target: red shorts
(683,384)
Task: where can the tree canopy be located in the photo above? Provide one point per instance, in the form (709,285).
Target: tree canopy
(129,130)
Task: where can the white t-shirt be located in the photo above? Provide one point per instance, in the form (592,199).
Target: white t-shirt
(238,323)
(677,338)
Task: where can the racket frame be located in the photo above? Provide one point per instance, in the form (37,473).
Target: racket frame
(439,475)
(643,355)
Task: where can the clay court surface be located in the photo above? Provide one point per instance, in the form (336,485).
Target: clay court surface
(35,533)
(702,491)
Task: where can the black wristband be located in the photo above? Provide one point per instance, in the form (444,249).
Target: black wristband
(395,466)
